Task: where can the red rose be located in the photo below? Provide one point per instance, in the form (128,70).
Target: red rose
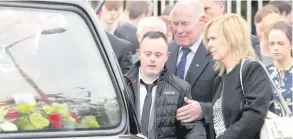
(56,120)
(76,118)
(11,115)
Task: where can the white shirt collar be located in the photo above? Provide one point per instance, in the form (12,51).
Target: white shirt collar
(195,46)
(140,77)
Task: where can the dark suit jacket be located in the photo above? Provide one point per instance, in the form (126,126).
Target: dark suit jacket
(200,74)
(127,31)
(256,46)
(122,51)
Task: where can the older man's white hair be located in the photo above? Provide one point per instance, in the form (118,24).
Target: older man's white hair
(196,4)
(152,23)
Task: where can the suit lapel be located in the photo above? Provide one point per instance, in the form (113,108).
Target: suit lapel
(198,64)
(172,60)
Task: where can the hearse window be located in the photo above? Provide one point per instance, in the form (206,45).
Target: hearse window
(52,76)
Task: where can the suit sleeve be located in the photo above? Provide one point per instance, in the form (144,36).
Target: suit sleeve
(258,92)
(126,61)
(206,110)
(193,130)
(256,46)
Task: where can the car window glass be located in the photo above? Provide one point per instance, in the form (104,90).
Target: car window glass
(52,75)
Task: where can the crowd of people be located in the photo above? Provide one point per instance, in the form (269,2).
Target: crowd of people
(182,69)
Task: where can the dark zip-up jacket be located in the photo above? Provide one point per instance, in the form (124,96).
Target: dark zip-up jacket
(170,94)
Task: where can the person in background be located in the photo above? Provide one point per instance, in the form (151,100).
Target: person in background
(262,13)
(111,12)
(285,8)
(148,24)
(216,8)
(264,28)
(228,40)
(136,10)
(167,10)
(157,94)
(121,48)
(168,23)
(280,46)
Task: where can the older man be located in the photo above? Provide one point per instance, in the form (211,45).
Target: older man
(190,60)
(215,8)
(148,24)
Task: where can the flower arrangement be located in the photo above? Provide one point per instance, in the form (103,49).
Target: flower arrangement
(24,116)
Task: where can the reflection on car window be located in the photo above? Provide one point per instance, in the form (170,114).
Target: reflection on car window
(52,75)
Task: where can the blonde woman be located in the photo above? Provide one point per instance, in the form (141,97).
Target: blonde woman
(280,46)
(228,41)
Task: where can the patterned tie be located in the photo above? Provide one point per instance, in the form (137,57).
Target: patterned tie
(180,70)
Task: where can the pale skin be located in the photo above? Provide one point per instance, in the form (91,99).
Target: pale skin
(280,47)
(153,54)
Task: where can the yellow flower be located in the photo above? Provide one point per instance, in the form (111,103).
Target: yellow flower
(47,109)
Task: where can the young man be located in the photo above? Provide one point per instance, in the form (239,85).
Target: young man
(110,15)
(285,8)
(157,94)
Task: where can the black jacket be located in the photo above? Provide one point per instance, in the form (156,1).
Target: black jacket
(127,32)
(166,105)
(243,121)
(122,51)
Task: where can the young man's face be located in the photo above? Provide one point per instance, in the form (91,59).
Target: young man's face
(111,14)
(153,54)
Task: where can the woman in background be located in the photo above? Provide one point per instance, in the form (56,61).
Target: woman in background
(280,46)
(264,28)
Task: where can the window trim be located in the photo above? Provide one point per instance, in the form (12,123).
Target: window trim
(84,11)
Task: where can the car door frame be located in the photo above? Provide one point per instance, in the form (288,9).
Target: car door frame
(89,17)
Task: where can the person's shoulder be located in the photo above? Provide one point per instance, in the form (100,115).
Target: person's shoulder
(115,41)
(178,83)
(254,66)
(172,45)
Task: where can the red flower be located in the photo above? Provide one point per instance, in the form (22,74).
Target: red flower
(76,118)
(56,120)
(11,115)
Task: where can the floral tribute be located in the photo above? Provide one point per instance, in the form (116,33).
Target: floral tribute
(24,116)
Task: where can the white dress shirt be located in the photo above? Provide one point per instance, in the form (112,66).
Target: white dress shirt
(142,94)
(190,55)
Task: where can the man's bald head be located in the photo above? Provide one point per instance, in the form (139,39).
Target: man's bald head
(148,24)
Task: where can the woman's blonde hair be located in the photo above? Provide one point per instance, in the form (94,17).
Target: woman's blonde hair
(233,32)
(268,22)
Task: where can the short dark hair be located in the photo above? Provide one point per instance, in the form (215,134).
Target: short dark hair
(264,11)
(285,27)
(282,6)
(137,8)
(155,35)
(113,4)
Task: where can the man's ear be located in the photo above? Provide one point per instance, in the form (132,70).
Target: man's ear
(202,18)
(222,6)
(100,13)
(168,54)
(137,52)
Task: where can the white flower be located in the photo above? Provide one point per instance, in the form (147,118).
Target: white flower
(8,126)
